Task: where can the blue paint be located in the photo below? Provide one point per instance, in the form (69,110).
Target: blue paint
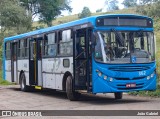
(78,22)
(118,85)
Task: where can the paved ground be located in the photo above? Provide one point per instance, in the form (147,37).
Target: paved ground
(11,98)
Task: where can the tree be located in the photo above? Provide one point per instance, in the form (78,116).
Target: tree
(85,13)
(129,3)
(99,10)
(144,2)
(13,17)
(150,8)
(112,5)
(13,20)
(47,10)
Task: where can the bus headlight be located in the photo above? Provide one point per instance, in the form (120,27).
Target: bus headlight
(105,77)
(99,73)
(148,77)
(152,75)
(110,79)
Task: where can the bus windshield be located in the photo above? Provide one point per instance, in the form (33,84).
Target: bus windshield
(124,47)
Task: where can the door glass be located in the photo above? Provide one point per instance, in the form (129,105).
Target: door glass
(31,50)
(39,53)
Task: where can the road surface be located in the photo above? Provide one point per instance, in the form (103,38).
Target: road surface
(11,98)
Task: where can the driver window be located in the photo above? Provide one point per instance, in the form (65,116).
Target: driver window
(140,42)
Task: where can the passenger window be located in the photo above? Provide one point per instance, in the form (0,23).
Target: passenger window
(26,48)
(45,53)
(8,50)
(22,50)
(65,43)
(50,46)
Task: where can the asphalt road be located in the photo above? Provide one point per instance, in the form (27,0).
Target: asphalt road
(11,98)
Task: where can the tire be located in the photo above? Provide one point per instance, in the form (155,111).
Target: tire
(23,85)
(118,95)
(72,96)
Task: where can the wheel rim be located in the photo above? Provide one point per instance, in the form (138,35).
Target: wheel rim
(22,83)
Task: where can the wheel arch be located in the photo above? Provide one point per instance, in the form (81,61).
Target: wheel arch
(20,76)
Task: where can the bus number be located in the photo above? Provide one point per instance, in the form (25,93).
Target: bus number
(142,73)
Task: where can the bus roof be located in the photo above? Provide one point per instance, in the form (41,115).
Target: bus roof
(69,24)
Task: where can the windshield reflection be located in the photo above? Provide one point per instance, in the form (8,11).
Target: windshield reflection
(122,47)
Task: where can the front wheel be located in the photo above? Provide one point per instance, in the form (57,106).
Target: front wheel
(72,95)
(118,95)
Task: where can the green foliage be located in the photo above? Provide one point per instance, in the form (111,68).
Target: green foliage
(13,20)
(99,10)
(155,93)
(129,3)
(3,82)
(13,17)
(47,10)
(153,11)
(145,2)
(150,8)
(85,13)
(112,5)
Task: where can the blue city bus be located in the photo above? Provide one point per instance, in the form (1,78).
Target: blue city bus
(112,53)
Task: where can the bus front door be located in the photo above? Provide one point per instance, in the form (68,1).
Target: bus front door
(33,63)
(82,59)
(14,62)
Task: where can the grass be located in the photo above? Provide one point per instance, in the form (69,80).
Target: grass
(3,82)
(155,93)
(66,19)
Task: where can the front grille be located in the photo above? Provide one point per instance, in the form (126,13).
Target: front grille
(130,88)
(136,78)
(128,68)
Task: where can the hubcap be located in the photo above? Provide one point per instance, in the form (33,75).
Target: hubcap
(22,82)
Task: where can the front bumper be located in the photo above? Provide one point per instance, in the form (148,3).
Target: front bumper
(106,86)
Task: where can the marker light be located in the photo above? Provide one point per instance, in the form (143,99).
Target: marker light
(111,79)
(99,73)
(105,77)
(148,77)
(152,75)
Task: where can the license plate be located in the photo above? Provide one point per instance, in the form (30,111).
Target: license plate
(130,85)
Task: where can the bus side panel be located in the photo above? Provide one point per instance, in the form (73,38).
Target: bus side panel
(40,73)
(62,65)
(53,70)
(49,80)
(23,65)
(8,70)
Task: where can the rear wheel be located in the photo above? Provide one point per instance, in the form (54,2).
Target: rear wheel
(118,95)
(72,95)
(23,85)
